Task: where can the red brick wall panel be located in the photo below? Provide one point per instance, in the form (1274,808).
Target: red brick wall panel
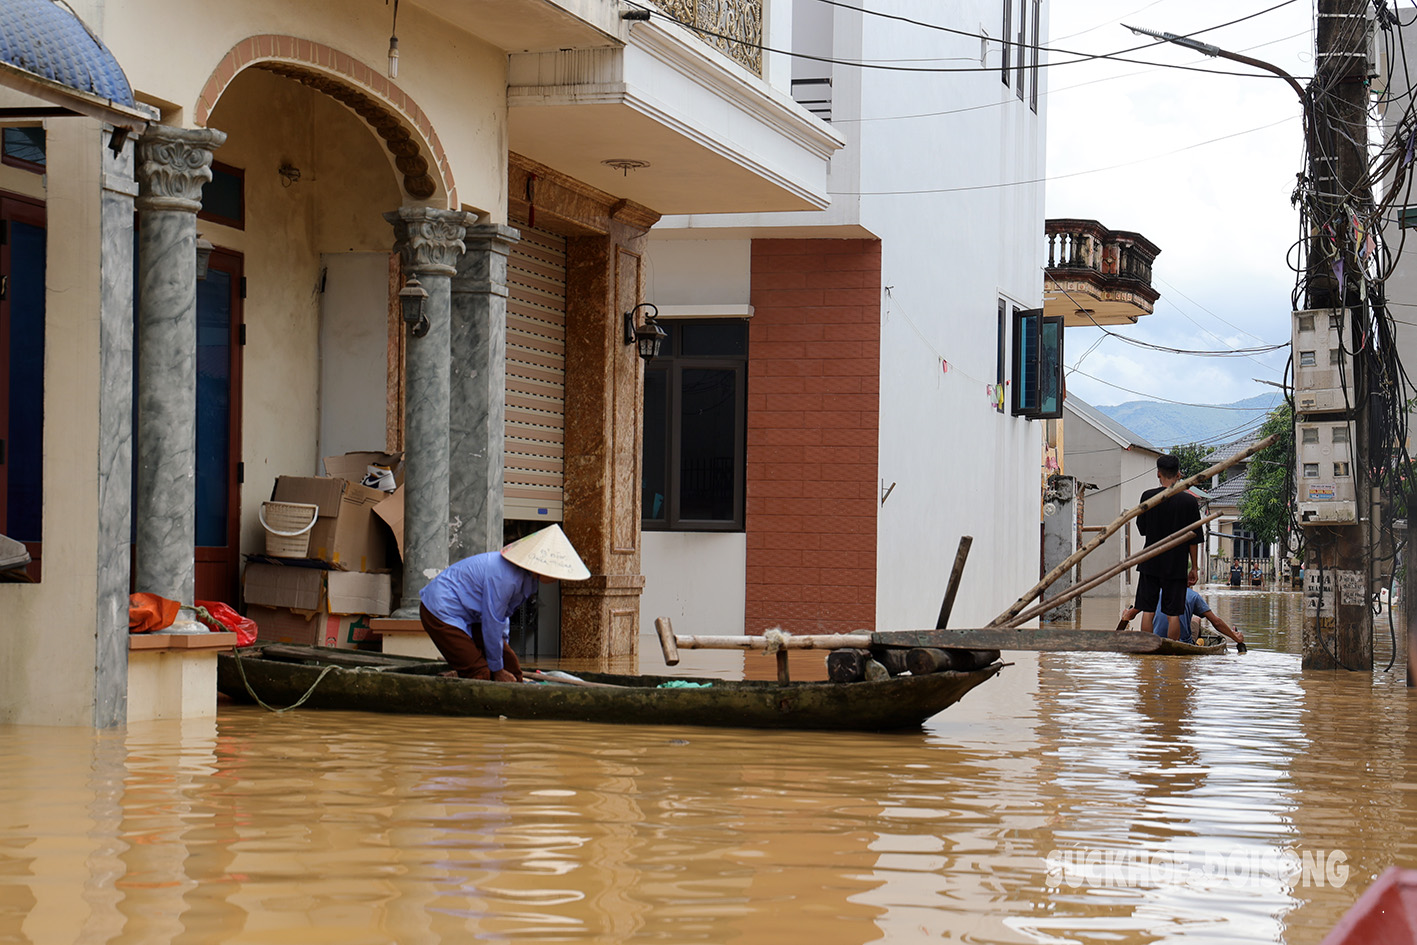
(813,435)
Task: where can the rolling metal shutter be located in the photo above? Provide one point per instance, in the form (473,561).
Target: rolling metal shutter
(536,376)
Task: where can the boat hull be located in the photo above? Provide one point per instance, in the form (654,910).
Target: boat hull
(415,687)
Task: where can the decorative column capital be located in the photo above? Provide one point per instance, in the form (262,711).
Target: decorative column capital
(430,240)
(173,164)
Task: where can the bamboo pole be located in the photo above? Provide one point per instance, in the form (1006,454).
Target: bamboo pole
(955,574)
(805,641)
(1177,537)
(666,640)
(1121,520)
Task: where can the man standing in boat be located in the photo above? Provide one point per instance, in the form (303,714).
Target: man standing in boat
(1165,574)
(467,609)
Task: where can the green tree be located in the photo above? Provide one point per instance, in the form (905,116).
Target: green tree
(1192,457)
(1269,491)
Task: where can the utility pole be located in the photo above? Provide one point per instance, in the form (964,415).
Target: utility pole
(1338,566)
(1340,532)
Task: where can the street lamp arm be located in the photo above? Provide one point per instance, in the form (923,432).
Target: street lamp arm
(1218,53)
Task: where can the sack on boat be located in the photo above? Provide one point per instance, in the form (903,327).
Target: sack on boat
(149,612)
(222,618)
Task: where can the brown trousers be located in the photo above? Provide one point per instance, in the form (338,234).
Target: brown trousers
(464,653)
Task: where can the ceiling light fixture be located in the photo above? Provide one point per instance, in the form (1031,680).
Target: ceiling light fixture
(625,165)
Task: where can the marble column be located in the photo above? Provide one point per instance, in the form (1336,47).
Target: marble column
(479,370)
(115,435)
(173,164)
(430,242)
(604,429)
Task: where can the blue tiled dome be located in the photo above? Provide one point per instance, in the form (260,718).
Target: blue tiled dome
(45,38)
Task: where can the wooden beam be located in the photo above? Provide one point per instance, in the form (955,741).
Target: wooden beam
(1170,541)
(988,638)
(955,574)
(1043,641)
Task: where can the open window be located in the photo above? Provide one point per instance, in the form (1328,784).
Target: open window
(1037,365)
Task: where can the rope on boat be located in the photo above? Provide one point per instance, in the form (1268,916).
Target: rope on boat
(261,702)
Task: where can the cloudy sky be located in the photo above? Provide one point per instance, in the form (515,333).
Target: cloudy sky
(1135,147)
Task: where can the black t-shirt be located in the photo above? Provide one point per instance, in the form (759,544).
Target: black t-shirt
(1157,524)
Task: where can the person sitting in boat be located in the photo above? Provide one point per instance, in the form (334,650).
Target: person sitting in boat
(467,609)
(1195,606)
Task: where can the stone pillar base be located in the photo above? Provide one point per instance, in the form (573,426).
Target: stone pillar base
(173,676)
(600,616)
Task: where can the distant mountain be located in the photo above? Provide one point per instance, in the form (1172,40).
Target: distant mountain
(1167,425)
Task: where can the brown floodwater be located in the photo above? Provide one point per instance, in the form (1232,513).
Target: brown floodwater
(1074,798)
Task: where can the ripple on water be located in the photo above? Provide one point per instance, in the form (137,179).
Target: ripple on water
(1186,780)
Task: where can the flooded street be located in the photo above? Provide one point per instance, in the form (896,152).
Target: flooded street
(1074,798)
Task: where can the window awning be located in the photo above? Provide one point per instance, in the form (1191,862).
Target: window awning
(47,52)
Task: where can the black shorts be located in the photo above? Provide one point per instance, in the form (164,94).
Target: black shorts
(1171,590)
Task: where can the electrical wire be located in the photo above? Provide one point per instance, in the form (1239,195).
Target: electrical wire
(888,67)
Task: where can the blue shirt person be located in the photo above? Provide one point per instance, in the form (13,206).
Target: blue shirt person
(478,595)
(1195,606)
(467,609)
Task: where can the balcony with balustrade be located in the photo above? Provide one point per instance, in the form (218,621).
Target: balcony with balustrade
(1097,276)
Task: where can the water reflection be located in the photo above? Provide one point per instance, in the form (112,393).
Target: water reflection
(359,827)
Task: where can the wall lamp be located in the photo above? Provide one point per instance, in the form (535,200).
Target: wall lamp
(649,336)
(411,302)
(204,255)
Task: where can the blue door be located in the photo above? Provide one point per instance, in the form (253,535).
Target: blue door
(218,517)
(22,260)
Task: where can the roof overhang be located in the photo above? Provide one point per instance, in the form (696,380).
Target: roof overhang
(709,137)
(521,25)
(68,101)
(47,53)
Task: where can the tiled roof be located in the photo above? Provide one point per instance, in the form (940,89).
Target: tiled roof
(45,39)
(1126,438)
(1227,450)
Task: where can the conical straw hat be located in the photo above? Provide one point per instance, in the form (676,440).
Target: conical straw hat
(548,553)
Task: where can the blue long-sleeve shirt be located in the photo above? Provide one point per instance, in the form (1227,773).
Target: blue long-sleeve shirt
(482,590)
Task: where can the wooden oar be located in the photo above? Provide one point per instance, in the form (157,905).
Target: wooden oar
(1017,606)
(568,679)
(1178,537)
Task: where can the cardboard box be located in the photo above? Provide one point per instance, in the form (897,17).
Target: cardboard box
(352,467)
(353,592)
(346,534)
(279,625)
(391,511)
(274,585)
(345,631)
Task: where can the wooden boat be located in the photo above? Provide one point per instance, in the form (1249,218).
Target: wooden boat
(1177,648)
(317,677)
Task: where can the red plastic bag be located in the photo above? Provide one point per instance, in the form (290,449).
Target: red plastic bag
(149,612)
(226,619)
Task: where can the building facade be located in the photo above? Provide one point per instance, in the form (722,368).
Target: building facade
(837,408)
(328,167)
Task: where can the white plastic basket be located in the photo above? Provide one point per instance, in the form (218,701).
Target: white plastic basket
(288,526)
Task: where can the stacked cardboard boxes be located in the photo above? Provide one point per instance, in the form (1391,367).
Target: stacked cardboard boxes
(328,597)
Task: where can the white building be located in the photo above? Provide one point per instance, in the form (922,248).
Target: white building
(835,408)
